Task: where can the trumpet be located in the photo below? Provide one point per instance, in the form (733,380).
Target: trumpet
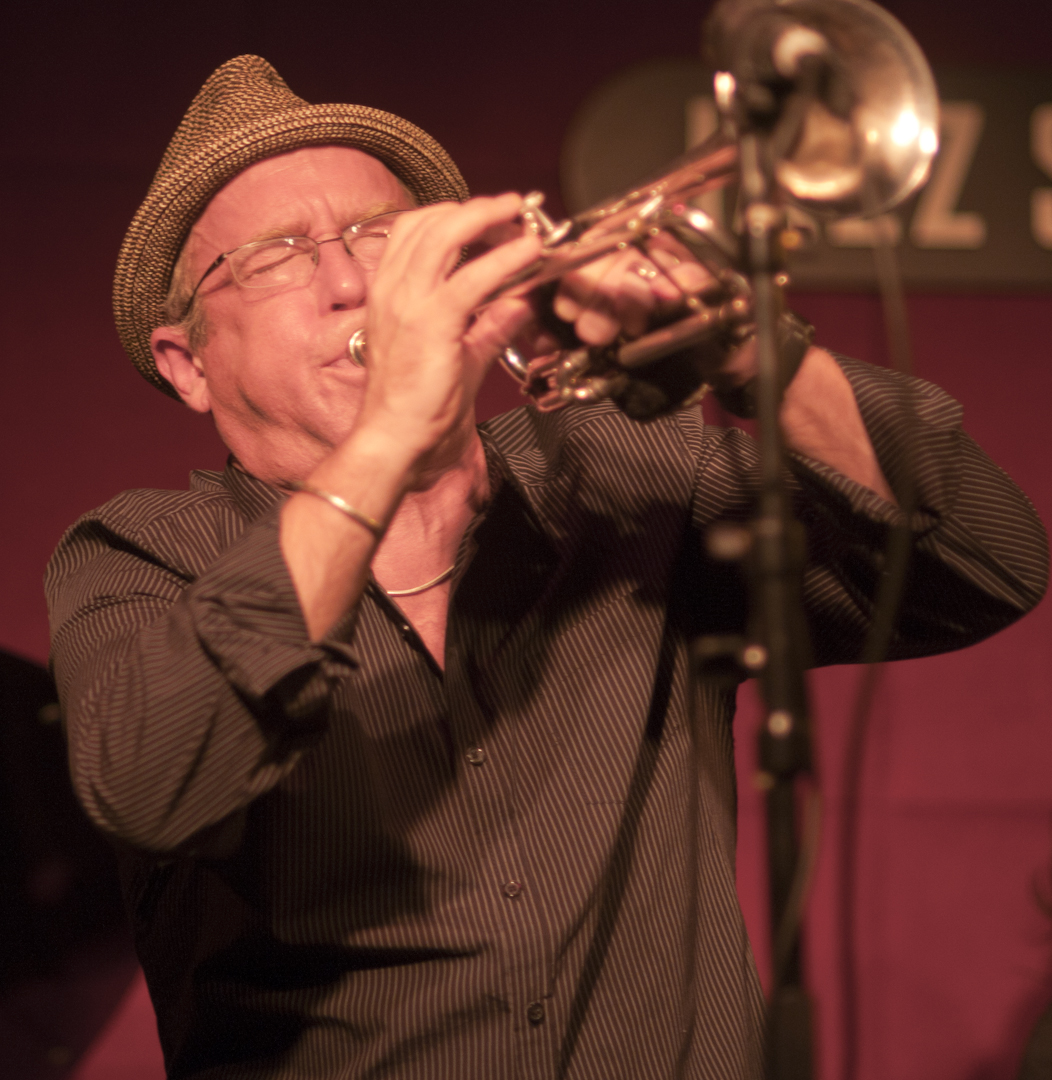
(849,110)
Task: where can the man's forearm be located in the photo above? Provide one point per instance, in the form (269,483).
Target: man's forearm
(327,552)
(821,420)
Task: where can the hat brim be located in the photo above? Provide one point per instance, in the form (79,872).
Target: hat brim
(178,197)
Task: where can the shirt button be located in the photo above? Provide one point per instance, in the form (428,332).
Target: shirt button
(407,631)
(512,889)
(535,1013)
(476,755)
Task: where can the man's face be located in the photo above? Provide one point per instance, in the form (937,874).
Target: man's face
(275,370)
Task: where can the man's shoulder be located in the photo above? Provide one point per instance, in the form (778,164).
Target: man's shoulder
(143,510)
(181,529)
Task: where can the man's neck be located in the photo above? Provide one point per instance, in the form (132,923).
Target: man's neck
(424,535)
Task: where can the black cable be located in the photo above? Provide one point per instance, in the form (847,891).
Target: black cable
(885,611)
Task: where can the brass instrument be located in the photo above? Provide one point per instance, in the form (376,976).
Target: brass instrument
(854,128)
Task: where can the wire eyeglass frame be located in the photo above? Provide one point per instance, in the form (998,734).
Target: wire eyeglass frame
(352,237)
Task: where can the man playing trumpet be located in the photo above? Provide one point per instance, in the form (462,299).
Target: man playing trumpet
(389,719)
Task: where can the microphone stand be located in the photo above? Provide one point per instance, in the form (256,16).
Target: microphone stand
(776,557)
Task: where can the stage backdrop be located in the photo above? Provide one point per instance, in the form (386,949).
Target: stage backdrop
(955,842)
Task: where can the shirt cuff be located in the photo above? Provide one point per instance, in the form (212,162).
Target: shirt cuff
(248,618)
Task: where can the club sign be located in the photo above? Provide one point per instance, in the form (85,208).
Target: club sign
(983,222)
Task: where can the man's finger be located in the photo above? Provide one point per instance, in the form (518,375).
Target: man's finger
(469,286)
(426,245)
(496,328)
(677,263)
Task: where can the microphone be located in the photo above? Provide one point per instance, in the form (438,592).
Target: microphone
(771,55)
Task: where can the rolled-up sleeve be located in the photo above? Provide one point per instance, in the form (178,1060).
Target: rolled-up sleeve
(188,680)
(979,556)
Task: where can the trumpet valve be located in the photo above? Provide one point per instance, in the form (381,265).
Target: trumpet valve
(536,221)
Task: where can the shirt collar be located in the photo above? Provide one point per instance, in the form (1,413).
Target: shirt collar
(252,496)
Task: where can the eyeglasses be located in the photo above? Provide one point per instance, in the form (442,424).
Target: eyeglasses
(292,260)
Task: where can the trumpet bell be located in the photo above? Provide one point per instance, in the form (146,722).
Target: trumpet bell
(866,142)
(859,142)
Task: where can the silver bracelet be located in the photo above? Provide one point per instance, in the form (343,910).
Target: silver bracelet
(343,506)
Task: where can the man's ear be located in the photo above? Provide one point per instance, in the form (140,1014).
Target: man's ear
(177,362)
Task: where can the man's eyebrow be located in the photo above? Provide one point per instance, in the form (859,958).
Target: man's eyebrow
(372,211)
(295,228)
(299,228)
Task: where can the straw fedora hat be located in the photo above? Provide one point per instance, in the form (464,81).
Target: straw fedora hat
(242,114)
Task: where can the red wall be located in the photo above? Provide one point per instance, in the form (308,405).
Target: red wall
(955,950)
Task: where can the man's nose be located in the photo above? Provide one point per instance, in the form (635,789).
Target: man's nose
(339,277)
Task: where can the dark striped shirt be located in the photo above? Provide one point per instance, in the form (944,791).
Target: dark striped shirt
(341,862)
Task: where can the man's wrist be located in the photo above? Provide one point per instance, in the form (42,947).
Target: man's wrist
(370,471)
(795,338)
